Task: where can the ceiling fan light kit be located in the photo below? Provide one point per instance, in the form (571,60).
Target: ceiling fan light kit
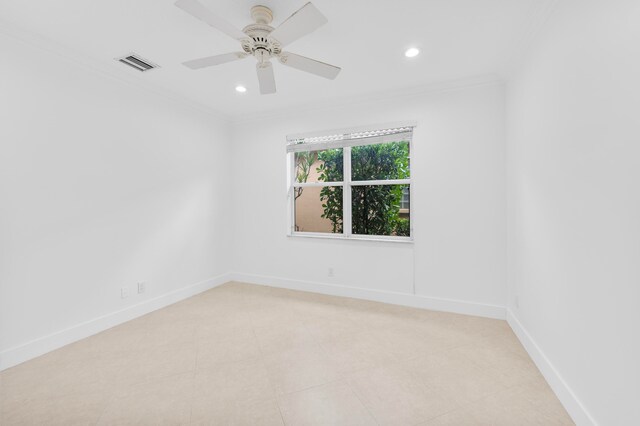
(264,42)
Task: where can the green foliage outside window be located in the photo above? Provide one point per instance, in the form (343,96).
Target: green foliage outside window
(375,208)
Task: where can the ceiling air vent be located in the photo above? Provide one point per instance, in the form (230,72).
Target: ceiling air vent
(135,61)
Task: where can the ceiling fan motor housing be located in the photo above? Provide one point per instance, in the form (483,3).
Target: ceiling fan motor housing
(258,42)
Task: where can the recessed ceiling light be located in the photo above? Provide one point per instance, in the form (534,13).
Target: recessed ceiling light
(411,52)
(241,89)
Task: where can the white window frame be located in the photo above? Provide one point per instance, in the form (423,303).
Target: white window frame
(319,141)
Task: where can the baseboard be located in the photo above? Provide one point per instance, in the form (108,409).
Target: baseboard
(395,298)
(569,400)
(42,345)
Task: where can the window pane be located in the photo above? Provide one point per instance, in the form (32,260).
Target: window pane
(404,202)
(380,162)
(380,210)
(318,209)
(319,166)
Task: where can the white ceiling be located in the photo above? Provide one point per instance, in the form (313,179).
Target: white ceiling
(458,39)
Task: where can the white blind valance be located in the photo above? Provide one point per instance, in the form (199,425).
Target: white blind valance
(368,135)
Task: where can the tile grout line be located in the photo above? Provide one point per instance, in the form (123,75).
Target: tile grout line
(363,404)
(271,385)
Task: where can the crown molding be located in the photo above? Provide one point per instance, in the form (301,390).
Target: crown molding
(98,67)
(403,93)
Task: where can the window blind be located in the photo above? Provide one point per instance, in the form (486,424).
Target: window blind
(368,135)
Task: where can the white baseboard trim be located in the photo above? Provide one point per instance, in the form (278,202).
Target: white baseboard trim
(569,400)
(19,354)
(394,298)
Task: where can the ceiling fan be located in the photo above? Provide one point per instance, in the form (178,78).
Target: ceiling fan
(263,42)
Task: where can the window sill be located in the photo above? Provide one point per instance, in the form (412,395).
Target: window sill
(401,240)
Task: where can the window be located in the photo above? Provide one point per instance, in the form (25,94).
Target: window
(404,201)
(351,184)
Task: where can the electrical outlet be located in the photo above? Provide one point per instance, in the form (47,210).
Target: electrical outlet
(330,272)
(124,292)
(142,287)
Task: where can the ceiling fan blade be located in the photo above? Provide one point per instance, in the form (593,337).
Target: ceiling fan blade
(210,61)
(265,78)
(199,11)
(309,65)
(305,21)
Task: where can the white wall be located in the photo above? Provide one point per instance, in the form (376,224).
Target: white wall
(102,184)
(574,156)
(459,204)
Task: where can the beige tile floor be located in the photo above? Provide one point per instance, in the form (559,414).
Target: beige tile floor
(249,355)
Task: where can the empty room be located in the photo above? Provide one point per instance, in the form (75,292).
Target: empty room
(282,212)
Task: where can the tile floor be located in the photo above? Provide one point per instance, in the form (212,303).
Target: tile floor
(249,355)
